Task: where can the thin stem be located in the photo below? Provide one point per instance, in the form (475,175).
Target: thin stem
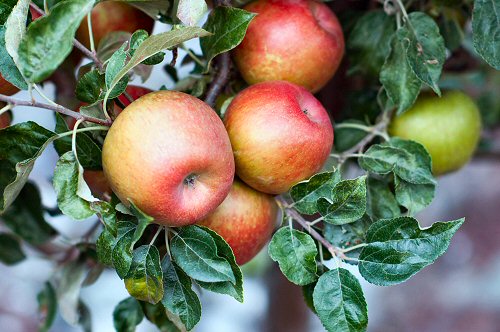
(321,259)
(403,11)
(361,245)
(57,108)
(46,6)
(193,56)
(91,34)
(73,138)
(128,96)
(6,108)
(160,228)
(221,78)
(95,128)
(368,129)
(314,222)
(40,92)
(167,244)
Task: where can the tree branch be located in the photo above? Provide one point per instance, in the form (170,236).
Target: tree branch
(56,108)
(220,80)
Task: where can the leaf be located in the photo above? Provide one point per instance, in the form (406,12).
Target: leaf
(10,249)
(348,235)
(20,145)
(229,26)
(369,41)
(451,28)
(157,315)
(122,248)
(89,153)
(295,253)
(49,39)
(195,251)
(178,296)
(90,87)
(25,217)
(380,203)
(47,307)
(104,248)
(15,28)
(486,31)
(425,51)
(414,197)
(112,42)
(347,203)
(70,278)
(113,68)
(8,68)
(398,79)
(68,183)
(305,194)
(340,303)
(144,221)
(225,287)
(127,315)
(107,214)
(398,248)
(154,44)
(190,12)
(144,279)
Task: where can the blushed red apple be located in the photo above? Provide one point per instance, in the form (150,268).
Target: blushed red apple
(169,153)
(246,220)
(112,16)
(4,118)
(299,41)
(6,88)
(280,134)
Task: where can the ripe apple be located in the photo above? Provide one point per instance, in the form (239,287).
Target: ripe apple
(299,41)
(280,135)
(449,127)
(112,16)
(168,152)
(6,88)
(246,220)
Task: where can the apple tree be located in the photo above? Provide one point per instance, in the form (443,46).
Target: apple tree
(187,183)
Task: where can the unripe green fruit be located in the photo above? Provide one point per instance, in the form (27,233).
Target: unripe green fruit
(449,127)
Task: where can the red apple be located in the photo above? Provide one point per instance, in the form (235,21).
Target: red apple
(168,152)
(280,135)
(4,118)
(246,220)
(6,88)
(112,16)
(98,184)
(299,41)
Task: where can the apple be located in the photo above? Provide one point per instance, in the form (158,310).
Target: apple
(299,41)
(7,88)
(246,220)
(112,16)
(280,134)
(4,118)
(448,127)
(168,153)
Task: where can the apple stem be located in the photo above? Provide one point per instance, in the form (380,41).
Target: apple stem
(56,107)
(220,80)
(158,231)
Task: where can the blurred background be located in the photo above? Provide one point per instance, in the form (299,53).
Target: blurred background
(460,292)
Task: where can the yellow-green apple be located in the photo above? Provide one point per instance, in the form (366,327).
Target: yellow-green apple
(246,220)
(6,88)
(449,127)
(299,41)
(168,152)
(280,134)
(112,16)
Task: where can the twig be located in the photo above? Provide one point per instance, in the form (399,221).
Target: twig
(56,108)
(89,54)
(221,78)
(128,96)
(175,53)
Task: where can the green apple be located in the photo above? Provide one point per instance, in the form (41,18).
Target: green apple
(449,127)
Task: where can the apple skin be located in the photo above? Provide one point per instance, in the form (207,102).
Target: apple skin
(246,220)
(6,88)
(168,152)
(275,143)
(112,16)
(448,127)
(299,41)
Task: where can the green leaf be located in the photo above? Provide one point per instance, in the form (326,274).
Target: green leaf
(398,79)
(305,194)
(122,248)
(425,49)
(225,287)
(47,307)
(115,65)
(229,26)
(178,296)
(295,253)
(486,31)
(15,28)
(195,251)
(107,214)
(190,12)
(20,146)
(8,68)
(10,249)
(451,28)
(144,221)
(89,153)
(154,44)
(104,248)
(347,203)
(144,279)
(25,217)
(90,87)
(127,315)
(414,197)
(398,248)
(340,303)
(49,39)
(369,41)
(380,203)
(157,315)
(72,191)
(348,235)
